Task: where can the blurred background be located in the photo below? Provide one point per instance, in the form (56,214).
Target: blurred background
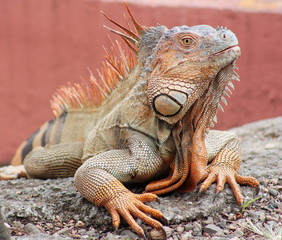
(48,43)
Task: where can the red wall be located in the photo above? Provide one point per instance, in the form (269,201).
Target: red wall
(45,44)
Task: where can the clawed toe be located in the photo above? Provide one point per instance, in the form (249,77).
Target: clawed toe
(216,195)
(257,189)
(12,172)
(130,206)
(230,176)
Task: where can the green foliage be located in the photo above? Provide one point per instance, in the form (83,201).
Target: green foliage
(249,203)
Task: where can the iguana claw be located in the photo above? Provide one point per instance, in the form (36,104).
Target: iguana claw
(222,175)
(129,205)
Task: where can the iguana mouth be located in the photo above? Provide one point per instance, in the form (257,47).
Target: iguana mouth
(235,48)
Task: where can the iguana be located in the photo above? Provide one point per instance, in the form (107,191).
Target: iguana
(152,127)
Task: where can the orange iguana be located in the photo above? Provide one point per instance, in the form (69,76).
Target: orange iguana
(152,127)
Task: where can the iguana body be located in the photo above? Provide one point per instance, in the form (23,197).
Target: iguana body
(152,127)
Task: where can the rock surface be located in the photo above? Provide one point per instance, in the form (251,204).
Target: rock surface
(57,210)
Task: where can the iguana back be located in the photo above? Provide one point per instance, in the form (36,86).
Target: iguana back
(79,107)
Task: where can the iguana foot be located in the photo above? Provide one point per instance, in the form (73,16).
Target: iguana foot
(12,172)
(129,205)
(222,175)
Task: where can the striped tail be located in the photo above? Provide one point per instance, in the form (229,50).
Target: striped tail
(40,138)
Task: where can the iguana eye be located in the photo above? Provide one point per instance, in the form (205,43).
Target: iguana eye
(186,41)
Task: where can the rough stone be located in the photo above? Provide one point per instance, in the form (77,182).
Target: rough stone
(129,234)
(64,231)
(212,229)
(180,229)
(221,224)
(239,233)
(31,228)
(42,236)
(188,227)
(186,236)
(273,192)
(168,231)
(56,201)
(110,236)
(156,234)
(257,215)
(197,229)
(220,238)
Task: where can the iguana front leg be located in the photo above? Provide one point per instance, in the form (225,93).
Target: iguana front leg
(103,189)
(100,180)
(224,149)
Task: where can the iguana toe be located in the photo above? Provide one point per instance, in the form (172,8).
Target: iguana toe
(12,172)
(230,176)
(251,181)
(131,205)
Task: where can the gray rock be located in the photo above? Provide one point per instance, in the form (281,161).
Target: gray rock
(220,238)
(157,234)
(64,231)
(186,236)
(31,228)
(129,234)
(34,200)
(111,236)
(208,221)
(42,236)
(82,232)
(221,224)
(257,215)
(239,233)
(4,235)
(168,231)
(180,229)
(272,204)
(197,229)
(92,233)
(18,224)
(188,226)
(258,161)
(273,192)
(212,229)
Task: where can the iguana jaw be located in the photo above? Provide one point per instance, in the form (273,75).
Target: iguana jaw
(234,48)
(170,104)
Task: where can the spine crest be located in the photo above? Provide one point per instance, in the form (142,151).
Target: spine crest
(116,67)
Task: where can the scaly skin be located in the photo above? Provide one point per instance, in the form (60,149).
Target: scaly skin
(153,126)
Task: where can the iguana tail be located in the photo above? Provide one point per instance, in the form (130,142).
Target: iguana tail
(48,133)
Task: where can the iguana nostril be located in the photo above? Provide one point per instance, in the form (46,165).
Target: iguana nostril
(165,105)
(224,35)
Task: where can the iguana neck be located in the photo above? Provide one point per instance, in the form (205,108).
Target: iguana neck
(189,137)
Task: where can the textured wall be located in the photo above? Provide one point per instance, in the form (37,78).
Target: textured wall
(44,44)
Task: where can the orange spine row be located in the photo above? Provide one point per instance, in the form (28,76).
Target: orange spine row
(117,65)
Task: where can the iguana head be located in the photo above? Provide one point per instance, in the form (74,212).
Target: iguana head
(184,63)
(183,66)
